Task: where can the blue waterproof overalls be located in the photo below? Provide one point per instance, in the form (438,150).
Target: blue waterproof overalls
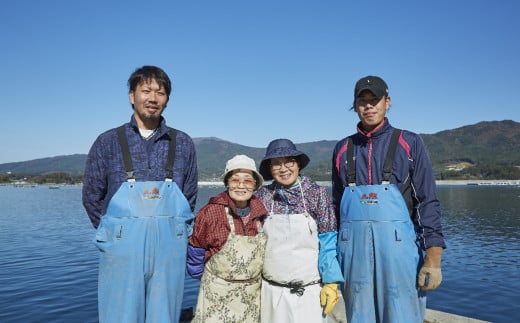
(377,250)
(143,241)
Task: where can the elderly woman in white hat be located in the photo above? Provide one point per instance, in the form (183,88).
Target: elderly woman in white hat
(301,271)
(227,248)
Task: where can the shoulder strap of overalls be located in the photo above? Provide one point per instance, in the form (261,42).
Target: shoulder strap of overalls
(389,160)
(129,168)
(351,163)
(171,155)
(387,168)
(405,188)
(127,160)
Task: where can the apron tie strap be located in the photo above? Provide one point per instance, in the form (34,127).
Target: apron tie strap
(240,281)
(296,286)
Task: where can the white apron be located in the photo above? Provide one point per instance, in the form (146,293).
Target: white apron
(230,286)
(291,285)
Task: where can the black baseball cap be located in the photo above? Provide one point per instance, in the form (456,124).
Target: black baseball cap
(374,84)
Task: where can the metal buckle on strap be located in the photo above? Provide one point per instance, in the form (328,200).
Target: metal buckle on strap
(130,176)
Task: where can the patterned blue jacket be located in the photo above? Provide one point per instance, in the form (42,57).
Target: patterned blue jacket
(105,171)
(411,172)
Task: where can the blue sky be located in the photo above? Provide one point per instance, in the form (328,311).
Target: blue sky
(251,71)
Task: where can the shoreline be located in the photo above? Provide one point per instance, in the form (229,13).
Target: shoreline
(484,182)
(490,182)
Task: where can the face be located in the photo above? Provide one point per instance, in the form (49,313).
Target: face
(241,185)
(149,101)
(285,170)
(371,110)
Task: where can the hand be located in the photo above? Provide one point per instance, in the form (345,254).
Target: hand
(430,275)
(329,296)
(429,278)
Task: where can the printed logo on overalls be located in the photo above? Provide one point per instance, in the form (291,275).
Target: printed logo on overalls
(152,194)
(370,198)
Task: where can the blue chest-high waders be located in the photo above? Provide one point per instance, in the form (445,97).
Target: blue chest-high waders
(377,249)
(143,241)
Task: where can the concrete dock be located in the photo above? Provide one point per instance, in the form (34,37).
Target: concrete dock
(338,316)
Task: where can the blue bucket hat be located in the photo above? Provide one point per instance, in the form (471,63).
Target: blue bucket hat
(281,148)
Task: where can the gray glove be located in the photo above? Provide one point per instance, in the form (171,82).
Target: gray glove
(429,278)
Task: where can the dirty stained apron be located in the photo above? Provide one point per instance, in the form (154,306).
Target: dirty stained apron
(291,286)
(377,253)
(142,240)
(230,286)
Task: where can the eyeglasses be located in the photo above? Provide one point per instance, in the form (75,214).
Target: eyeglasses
(234,182)
(277,165)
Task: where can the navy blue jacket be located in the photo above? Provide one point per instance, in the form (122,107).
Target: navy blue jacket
(105,171)
(411,172)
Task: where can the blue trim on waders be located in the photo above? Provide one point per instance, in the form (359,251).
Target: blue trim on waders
(143,241)
(378,254)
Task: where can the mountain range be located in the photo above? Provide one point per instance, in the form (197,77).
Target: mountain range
(489,144)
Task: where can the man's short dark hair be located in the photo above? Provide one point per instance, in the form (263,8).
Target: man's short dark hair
(147,73)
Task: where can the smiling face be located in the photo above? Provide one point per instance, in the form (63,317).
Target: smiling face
(148,101)
(241,185)
(371,110)
(285,170)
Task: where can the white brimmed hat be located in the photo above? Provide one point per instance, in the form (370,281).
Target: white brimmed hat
(242,162)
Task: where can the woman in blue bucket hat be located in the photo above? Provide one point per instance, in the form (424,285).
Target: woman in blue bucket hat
(301,272)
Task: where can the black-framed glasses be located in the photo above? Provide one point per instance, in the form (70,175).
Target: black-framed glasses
(277,164)
(234,182)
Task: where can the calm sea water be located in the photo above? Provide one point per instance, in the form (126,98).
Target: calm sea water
(48,265)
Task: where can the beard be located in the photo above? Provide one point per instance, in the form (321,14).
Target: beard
(151,119)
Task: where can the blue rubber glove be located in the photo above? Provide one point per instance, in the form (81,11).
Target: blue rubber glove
(328,265)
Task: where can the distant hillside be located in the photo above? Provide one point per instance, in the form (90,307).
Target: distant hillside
(212,154)
(72,164)
(496,142)
(492,145)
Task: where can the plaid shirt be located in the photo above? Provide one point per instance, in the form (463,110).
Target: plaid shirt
(211,228)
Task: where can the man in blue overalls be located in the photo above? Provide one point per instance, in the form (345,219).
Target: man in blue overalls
(385,198)
(140,190)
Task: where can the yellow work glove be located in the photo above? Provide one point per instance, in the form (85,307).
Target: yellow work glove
(429,278)
(329,296)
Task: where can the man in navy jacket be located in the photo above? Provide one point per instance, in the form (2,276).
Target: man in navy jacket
(385,199)
(139,191)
